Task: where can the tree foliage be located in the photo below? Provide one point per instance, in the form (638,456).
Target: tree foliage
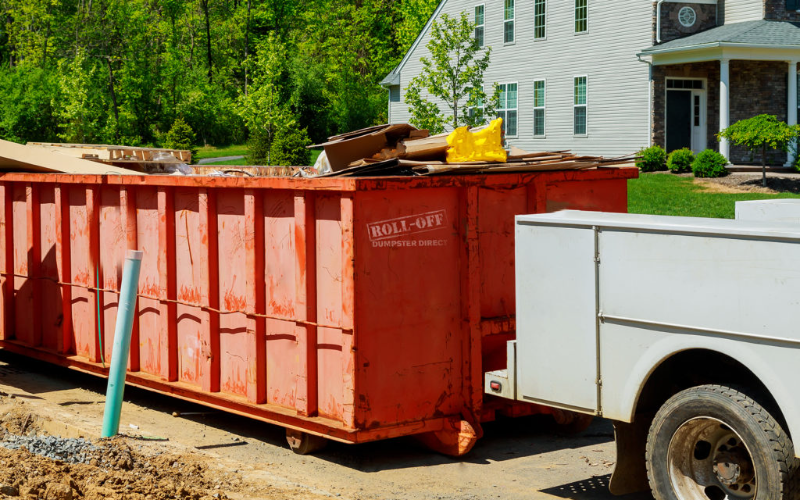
(453,75)
(125,70)
(760,133)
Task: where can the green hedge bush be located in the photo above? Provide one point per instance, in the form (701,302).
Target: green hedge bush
(709,163)
(680,160)
(652,159)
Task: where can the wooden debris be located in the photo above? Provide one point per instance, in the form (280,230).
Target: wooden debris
(118,154)
(18,158)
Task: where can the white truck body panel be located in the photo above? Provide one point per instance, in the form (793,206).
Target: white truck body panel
(659,286)
(780,210)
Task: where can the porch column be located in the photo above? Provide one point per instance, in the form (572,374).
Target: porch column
(791,115)
(724,104)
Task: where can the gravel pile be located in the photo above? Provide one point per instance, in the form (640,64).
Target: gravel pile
(74,451)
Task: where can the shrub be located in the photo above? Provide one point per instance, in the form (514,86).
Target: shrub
(652,159)
(258,149)
(180,136)
(709,163)
(680,160)
(289,148)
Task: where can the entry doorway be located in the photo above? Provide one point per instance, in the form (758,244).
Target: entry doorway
(686,114)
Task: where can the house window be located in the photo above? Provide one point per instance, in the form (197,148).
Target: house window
(538,108)
(539,19)
(579,106)
(480,22)
(508,108)
(508,21)
(394,93)
(581,16)
(687,16)
(792,5)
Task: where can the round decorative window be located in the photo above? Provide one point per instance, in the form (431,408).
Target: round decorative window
(687,16)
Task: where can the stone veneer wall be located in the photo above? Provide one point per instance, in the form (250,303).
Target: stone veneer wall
(671,27)
(758,87)
(707,70)
(775,10)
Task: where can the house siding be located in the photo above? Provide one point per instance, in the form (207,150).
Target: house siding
(737,11)
(618,120)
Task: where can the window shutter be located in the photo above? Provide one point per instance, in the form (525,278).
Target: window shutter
(792,5)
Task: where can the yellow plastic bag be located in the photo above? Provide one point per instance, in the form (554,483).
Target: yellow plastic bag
(483,145)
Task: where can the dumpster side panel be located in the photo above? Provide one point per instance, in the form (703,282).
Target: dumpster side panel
(496,232)
(84,320)
(49,292)
(409,305)
(594,195)
(191,262)
(112,243)
(23,260)
(330,356)
(151,343)
(234,354)
(283,358)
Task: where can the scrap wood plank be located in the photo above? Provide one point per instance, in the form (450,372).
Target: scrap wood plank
(18,158)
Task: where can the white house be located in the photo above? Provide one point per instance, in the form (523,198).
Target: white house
(609,77)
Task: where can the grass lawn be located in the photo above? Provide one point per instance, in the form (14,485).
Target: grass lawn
(665,194)
(212,152)
(241,161)
(215,152)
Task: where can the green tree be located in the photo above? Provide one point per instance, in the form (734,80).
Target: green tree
(453,75)
(265,109)
(760,133)
(80,110)
(413,16)
(181,136)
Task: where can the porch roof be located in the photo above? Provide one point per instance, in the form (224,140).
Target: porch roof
(749,35)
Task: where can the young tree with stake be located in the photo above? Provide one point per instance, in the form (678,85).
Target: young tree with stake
(454,75)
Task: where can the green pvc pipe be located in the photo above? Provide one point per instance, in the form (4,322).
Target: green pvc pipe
(122,343)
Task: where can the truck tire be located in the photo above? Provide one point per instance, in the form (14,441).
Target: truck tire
(712,442)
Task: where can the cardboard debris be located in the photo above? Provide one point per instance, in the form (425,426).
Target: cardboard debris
(347,148)
(532,162)
(18,158)
(402,150)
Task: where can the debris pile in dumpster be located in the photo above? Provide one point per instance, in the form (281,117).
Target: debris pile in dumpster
(403,150)
(384,150)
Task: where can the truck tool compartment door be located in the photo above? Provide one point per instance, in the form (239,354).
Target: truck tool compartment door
(556,318)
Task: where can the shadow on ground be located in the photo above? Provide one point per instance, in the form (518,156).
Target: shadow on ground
(504,439)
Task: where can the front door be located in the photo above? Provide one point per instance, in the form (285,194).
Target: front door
(686,114)
(679,120)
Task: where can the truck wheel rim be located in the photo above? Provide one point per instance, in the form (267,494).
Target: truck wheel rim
(707,460)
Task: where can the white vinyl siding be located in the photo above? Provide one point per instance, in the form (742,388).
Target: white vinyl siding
(480,24)
(581,16)
(508,108)
(579,108)
(737,11)
(477,110)
(508,21)
(619,123)
(540,19)
(539,106)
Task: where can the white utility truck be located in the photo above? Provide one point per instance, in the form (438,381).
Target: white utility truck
(683,331)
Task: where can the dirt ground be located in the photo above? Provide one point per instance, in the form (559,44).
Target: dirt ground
(747,182)
(207,454)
